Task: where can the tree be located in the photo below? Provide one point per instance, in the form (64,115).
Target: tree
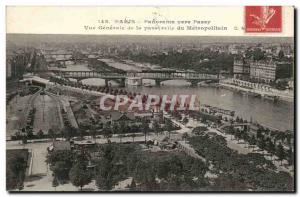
(15,172)
(156,127)
(280,136)
(69,132)
(259,134)
(55,182)
(24,140)
(61,170)
(280,152)
(132,185)
(258,54)
(169,127)
(93,131)
(252,141)
(60,162)
(200,130)
(40,133)
(270,145)
(237,134)
(145,128)
(107,132)
(104,182)
(29,133)
(105,168)
(289,136)
(185,120)
(145,173)
(290,156)
(280,54)
(79,176)
(116,128)
(262,144)
(133,136)
(51,134)
(185,136)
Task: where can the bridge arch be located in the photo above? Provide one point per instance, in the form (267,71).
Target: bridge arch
(101,82)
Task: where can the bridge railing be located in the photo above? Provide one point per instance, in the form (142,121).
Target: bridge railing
(92,74)
(173,75)
(149,75)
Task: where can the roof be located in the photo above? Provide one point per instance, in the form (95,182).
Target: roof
(125,117)
(116,116)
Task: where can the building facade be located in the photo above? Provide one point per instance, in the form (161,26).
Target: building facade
(241,68)
(263,71)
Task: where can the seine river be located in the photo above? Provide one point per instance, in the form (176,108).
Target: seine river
(278,115)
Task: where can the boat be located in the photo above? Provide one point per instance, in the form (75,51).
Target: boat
(148,85)
(272,98)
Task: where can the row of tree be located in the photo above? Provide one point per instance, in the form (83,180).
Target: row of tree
(162,171)
(239,172)
(265,139)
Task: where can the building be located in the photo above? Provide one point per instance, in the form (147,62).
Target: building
(233,49)
(116,116)
(241,67)
(263,70)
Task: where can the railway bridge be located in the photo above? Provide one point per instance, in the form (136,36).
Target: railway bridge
(158,76)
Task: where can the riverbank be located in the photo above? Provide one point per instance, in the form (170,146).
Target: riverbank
(263,94)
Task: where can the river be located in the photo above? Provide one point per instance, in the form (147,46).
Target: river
(278,115)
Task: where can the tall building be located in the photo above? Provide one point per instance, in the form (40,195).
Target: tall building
(263,70)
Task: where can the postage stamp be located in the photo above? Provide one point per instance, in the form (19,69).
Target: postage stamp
(263,19)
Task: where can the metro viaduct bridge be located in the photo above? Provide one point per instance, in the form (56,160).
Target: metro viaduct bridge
(71,56)
(63,61)
(156,75)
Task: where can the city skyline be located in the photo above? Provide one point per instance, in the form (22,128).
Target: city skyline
(141,39)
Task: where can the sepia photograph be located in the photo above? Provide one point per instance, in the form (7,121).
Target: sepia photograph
(147,99)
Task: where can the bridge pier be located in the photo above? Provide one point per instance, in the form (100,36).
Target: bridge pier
(106,82)
(157,82)
(122,83)
(194,83)
(75,60)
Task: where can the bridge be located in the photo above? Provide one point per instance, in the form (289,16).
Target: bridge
(158,76)
(53,55)
(68,53)
(69,56)
(67,60)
